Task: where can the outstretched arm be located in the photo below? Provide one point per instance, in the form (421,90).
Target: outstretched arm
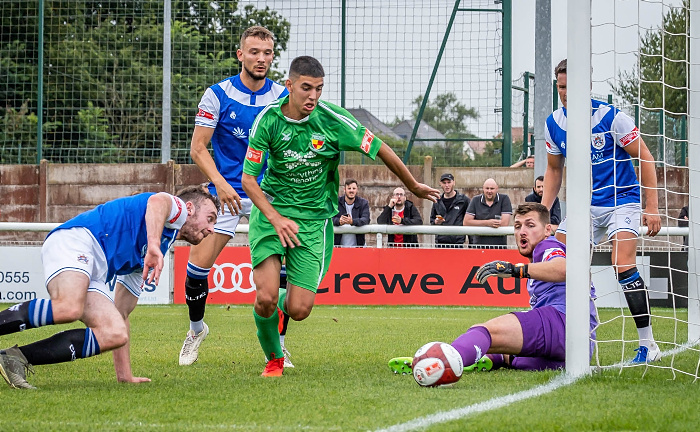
(387,155)
(553,270)
(125,303)
(157,212)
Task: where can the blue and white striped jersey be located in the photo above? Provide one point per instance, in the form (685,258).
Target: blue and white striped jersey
(230,108)
(613,176)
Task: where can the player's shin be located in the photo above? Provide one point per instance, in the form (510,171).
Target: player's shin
(22,316)
(62,347)
(196,292)
(473,344)
(638,303)
(268,335)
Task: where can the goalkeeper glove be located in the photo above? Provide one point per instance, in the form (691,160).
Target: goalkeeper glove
(502,269)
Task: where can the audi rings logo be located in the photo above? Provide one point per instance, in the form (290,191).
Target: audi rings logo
(235,281)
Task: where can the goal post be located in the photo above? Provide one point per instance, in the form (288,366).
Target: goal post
(578,184)
(694,177)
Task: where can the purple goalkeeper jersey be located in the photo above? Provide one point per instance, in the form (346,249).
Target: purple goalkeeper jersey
(550,293)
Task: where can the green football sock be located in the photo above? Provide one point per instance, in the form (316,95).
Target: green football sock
(280,302)
(269,335)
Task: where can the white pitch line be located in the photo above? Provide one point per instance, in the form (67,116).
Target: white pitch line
(492,404)
(677,350)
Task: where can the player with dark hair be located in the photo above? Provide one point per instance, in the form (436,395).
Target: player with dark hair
(302,138)
(226,114)
(126,237)
(532,340)
(616,208)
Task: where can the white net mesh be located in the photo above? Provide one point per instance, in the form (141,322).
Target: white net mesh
(640,55)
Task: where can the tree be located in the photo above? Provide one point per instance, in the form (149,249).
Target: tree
(658,83)
(103,75)
(449,117)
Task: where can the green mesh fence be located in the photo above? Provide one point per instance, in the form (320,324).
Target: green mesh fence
(103,73)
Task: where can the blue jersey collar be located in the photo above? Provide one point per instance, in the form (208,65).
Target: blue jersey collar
(238,84)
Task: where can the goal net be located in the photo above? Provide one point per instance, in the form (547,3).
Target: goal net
(640,56)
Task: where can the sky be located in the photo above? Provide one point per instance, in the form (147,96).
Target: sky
(392,46)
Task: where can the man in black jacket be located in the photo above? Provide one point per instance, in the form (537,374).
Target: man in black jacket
(536,196)
(352,210)
(401,211)
(449,211)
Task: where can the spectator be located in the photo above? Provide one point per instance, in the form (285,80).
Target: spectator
(683,222)
(536,196)
(449,211)
(528,162)
(401,211)
(489,209)
(352,210)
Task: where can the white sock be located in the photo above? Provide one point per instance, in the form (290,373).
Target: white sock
(197,326)
(646,337)
(282,340)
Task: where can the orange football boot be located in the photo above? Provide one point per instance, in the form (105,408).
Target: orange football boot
(274,367)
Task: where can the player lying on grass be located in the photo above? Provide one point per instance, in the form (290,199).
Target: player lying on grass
(532,340)
(126,237)
(302,137)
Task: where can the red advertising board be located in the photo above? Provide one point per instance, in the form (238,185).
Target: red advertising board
(375,277)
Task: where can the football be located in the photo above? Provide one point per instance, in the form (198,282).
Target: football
(436,364)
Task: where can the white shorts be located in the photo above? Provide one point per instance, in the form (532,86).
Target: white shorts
(133,282)
(611,220)
(75,249)
(226,223)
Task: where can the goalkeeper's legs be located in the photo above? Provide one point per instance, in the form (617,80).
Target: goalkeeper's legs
(502,334)
(624,245)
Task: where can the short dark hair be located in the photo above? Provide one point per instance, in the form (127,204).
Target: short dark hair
(307,66)
(538,208)
(197,194)
(540,178)
(561,68)
(259,32)
(350,181)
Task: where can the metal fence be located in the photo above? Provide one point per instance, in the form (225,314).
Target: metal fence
(119,81)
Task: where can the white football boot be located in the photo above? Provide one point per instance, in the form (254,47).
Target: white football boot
(190,349)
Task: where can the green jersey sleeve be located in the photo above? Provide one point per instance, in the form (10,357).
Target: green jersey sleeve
(258,144)
(352,135)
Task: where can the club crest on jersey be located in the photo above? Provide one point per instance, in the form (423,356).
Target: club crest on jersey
(83,259)
(317,142)
(233,115)
(598,141)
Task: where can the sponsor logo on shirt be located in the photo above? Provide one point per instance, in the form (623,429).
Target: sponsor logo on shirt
(367,141)
(254,155)
(83,259)
(598,141)
(627,139)
(205,114)
(552,253)
(563,145)
(233,115)
(549,146)
(286,136)
(317,142)
(239,133)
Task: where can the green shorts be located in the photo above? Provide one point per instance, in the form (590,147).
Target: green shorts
(306,264)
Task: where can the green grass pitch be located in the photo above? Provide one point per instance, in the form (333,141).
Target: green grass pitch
(341,381)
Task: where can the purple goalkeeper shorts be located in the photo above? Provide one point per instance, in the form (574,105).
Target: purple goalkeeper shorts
(544,333)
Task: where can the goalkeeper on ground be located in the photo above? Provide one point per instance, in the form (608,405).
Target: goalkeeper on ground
(532,340)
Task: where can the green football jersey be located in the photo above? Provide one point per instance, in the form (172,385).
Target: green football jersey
(302,180)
